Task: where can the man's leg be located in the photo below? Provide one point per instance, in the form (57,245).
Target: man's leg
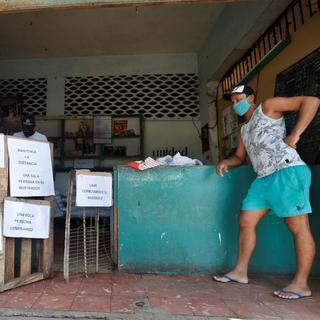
(305,252)
(248,221)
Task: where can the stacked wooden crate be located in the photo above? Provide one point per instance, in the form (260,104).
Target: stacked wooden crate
(18,271)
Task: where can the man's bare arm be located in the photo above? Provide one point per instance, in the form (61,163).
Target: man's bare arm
(307,107)
(233,161)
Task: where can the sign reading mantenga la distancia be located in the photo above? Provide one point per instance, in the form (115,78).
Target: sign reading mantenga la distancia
(30,168)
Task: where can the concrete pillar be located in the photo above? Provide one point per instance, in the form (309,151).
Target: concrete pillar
(213,121)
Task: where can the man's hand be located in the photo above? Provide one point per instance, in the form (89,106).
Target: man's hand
(233,161)
(292,140)
(222,166)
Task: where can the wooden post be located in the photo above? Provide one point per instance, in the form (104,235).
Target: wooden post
(25,260)
(48,252)
(97,240)
(2,252)
(9,259)
(47,258)
(84,242)
(3,194)
(67,226)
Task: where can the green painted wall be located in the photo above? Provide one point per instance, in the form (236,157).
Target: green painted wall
(182,220)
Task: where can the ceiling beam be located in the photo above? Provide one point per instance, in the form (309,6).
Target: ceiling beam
(35,5)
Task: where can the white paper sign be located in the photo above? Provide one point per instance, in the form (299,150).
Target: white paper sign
(2,162)
(93,190)
(30,168)
(26,220)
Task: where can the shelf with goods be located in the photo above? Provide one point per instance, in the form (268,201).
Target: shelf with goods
(106,141)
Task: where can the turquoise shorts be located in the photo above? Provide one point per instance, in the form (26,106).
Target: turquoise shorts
(285,192)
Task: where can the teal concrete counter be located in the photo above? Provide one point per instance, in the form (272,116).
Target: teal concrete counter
(184,220)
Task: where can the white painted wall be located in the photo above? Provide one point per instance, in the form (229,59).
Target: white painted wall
(158,134)
(56,69)
(177,134)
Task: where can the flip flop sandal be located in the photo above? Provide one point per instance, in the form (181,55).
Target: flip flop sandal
(230,279)
(295,295)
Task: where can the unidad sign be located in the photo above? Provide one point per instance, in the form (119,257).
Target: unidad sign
(26,219)
(30,168)
(93,189)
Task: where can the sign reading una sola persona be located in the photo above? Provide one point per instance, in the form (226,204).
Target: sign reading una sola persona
(26,219)
(93,189)
(30,168)
(2,162)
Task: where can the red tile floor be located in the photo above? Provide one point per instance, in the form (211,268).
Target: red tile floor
(175,295)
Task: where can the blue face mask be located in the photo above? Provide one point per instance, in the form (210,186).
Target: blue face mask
(241,107)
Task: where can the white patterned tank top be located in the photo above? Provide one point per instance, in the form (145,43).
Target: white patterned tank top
(263,140)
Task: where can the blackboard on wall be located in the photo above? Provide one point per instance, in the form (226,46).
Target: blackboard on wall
(303,79)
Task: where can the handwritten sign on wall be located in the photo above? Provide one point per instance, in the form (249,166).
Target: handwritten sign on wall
(26,219)
(30,168)
(93,189)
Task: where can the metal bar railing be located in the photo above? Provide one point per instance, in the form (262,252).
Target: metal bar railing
(296,14)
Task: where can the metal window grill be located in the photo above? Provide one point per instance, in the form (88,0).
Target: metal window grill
(33,91)
(295,15)
(157,96)
(87,246)
(303,79)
